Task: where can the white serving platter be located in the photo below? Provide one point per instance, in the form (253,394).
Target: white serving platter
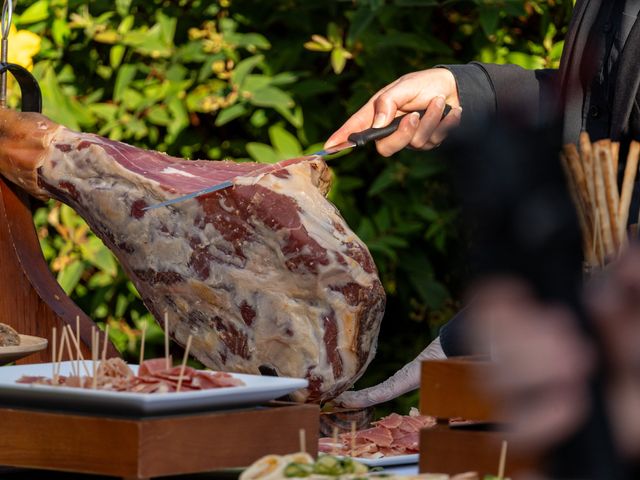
(257,390)
(389,461)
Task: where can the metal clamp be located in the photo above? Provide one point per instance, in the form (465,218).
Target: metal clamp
(31,94)
(5,27)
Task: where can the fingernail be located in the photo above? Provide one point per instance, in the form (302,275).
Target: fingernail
(457,112)
(439,101)
(414,119)
(379,120)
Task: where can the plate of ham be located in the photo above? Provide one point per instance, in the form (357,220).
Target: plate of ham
(392,440)
(115,387)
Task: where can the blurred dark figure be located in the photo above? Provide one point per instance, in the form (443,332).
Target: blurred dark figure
(557,357)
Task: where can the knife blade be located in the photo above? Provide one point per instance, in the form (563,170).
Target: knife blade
(356,139)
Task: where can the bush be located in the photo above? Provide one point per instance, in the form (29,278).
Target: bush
(266,81)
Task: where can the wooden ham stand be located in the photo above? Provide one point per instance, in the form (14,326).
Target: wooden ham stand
(132,448)
(31,300)
(453,388)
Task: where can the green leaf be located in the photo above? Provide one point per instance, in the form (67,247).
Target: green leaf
(285,143)
(158,115)
(359,22)
(230,113)
(70,275)
(338,60)
(36,12)
(60,31)
(125,76)
(122,7)
(262,153)
(271,97)
(489,18)
(427,213)
(95,252)
(56,104)
(383,181)
(115,55)
(244,67)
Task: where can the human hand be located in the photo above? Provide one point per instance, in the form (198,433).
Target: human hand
(404,380)
(428,89)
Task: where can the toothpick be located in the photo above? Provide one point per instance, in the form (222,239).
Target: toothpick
(302,433)
(80,357)
(353,437)
(335,442)
(78,343)
(166,340)
(104,345)
(63,341)
(95,342)
(70,352)
(54,346)
(184,362)
(503,460)
(142,339)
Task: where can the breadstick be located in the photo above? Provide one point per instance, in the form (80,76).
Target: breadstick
(580,210)
(611,190)
(601,198)
(587,158)
(630,172)
(615,153)
(586,153)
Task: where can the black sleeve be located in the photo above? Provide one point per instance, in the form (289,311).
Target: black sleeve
(486,89)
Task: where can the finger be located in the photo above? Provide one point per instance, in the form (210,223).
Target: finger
(401,137)
(359,121)
(429,122)
(442,130)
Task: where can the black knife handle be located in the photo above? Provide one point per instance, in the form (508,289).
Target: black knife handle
(371,134)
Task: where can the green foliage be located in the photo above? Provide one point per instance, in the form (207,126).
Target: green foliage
(265,81)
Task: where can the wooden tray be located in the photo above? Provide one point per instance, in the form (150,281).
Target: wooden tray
(133,448)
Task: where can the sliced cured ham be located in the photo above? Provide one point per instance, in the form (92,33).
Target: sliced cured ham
(390,436)
(265,276)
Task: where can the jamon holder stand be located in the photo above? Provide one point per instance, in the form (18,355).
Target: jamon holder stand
(33,303)
(31,300)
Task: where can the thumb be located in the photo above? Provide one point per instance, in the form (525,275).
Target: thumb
(359,121)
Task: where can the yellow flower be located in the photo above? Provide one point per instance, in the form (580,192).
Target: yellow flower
(23,46)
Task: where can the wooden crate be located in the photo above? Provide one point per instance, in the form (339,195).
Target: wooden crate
(140,448)
(454,388)
(447,450)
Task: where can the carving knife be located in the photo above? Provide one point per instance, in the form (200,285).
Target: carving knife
(356,139)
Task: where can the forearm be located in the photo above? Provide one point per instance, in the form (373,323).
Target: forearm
(404,380)
(485,89)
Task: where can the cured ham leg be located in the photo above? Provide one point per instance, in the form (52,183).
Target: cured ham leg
(266,276)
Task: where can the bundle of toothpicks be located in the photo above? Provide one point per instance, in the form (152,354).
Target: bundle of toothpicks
(602,206)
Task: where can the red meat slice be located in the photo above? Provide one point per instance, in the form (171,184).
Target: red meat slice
(380,436)
(410,424)
(153,367)
(392,421)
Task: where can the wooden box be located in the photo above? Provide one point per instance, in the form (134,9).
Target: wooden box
(139,448)
(454,388)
